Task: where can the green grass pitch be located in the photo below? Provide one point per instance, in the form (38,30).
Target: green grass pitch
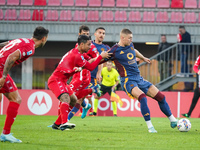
(100,133)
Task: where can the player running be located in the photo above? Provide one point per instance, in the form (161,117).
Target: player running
(124,57)
(96,74)
(13,53)
(67,67)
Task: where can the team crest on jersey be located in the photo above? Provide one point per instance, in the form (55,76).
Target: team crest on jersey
(130,56)
(29,52)
(131,85)
(132,48)
(121,52)
(102,49)
(82,57)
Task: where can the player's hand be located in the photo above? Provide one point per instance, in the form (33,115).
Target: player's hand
(98,77)
(147,60)
(2,81)
(106,54)
(77,69)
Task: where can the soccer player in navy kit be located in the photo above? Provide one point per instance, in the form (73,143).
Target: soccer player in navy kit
(124,56)
(96,74)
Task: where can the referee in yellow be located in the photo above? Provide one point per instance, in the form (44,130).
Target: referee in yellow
(110,79)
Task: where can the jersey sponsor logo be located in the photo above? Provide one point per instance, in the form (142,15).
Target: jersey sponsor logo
(130,56)
(102,49)
(82,57)
(121,52)
(39,103)
(94,49)
(29,52)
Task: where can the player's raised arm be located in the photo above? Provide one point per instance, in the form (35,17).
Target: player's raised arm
(139,55)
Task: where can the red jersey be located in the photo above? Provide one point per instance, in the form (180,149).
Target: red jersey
(196,65)
(92,52)
(26,47)
(68,62)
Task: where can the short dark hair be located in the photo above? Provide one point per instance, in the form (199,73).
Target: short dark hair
(40,32)
(126,31)
(82,39)
(102,28)
(83,28)
(163,35)
(181,27)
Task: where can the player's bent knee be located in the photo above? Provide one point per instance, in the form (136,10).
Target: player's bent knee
(73,100)
(159,96)
(141,96)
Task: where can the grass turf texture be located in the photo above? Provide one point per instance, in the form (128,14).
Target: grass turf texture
(100,133)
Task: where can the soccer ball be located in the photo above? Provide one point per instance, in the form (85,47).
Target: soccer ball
(184,125)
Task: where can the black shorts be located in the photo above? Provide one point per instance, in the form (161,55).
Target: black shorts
(105,89)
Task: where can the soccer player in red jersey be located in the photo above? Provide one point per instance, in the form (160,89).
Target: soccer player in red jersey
(67,68)
(197,89)
(15,52)
(80,79)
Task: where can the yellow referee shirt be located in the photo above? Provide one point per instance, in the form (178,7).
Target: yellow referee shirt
(109,78)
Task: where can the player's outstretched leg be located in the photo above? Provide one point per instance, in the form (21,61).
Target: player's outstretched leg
(96,89)
(85,110)
(165,108)
(146,113)
(9,137)
(74,111)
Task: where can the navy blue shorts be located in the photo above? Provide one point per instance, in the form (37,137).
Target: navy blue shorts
(129,83)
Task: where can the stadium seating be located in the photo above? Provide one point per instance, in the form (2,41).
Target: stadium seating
(134,16)
(107,16)
(122,3)
(1,14)
(150,3)
(148,16)
(176,17)
(67,2)
(12,2)
(52,15)
(136,3)
(54,3)
(82,3)
(190,17)
(2,2)
(24,15)
(120,16)
(10,14)
(26,2)
(65,15)
(38,15)
(40,3)
(93,16)
(79,16)
(108,3)
(163,4)
(162,17)
(94,3)
(177,4)
(191,4)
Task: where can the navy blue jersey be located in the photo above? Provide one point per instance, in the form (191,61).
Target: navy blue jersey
(100,49)
(125,61)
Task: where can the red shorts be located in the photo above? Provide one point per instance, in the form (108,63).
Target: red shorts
(59,86)
(80,80)
(9,85)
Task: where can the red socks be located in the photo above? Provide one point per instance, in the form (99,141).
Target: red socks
(12,111)
(64,108)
